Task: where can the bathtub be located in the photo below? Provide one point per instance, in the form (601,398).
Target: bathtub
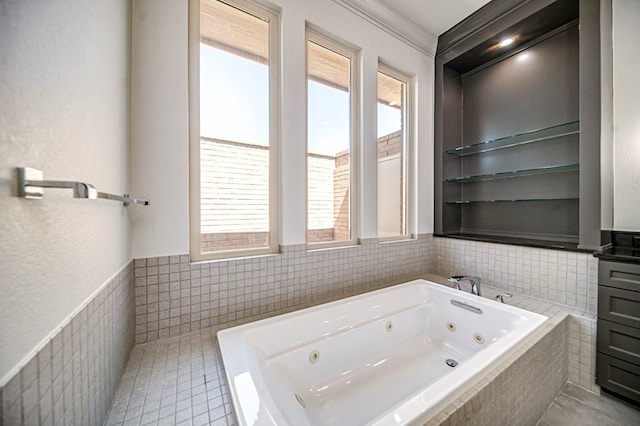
(391,356)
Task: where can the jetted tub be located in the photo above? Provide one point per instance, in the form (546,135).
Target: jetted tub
(392,356)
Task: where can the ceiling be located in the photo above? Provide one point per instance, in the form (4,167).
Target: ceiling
(435,16)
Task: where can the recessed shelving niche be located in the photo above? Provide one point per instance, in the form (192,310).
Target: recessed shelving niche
(514,130)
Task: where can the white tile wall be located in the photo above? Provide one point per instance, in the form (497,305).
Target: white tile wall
(561,277)
(174,296)
(73,376)
(582,351)
(566,278)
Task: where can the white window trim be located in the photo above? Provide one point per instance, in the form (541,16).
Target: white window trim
(408,142)
(194,131)
(354,151)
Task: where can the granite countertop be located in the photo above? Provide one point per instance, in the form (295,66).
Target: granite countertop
(623,246)
(619,254)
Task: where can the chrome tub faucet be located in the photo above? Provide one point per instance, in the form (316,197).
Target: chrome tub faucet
(474,281)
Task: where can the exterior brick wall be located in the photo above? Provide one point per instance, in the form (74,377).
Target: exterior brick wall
(320,235)
(320,202)
(233,240)
(235,212)
(390,144)
(234,205)
(341,177)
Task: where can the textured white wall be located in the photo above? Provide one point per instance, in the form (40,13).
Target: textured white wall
(160,118)
(64,100)
(160,126)
(626,110)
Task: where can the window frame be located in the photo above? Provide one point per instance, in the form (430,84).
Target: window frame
(408,145)
(315,36)
(273,18)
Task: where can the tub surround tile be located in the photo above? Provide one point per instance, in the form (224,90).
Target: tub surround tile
(581,335)
(174,296)
(182,371)
(72,377)
(538,365)
(565,278)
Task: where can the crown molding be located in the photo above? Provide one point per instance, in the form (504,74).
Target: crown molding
(394,23)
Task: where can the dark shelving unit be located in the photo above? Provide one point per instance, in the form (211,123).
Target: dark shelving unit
(517,131)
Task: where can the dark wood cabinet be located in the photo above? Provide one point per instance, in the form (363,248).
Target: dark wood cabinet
(618,355)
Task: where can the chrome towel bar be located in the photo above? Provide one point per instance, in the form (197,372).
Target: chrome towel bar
(31,185)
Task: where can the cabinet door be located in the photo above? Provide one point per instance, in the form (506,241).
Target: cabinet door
(619,275)
(618,376)
(619,306)
(619,341)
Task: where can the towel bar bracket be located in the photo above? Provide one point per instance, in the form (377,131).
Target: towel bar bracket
(28,174)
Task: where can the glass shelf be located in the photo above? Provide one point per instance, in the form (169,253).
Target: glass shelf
(556,131)
(523,200)
(517,173)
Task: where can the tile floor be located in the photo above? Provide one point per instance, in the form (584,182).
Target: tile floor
(576,406)
(174,381)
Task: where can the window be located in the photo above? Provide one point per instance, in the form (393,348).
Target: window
(234,131)
(331,136)
(394,155)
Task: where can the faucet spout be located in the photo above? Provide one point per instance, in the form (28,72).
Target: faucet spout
(474,281)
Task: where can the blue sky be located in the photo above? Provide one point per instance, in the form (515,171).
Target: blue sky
(234,105)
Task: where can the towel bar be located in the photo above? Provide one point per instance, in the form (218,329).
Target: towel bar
(31,184)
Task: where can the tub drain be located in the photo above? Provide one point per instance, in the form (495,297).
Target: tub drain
(452,362)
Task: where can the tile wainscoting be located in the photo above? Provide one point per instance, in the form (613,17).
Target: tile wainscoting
(561,277)
(72,377)
(173,296)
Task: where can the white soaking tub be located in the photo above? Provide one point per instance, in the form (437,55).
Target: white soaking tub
(392,356)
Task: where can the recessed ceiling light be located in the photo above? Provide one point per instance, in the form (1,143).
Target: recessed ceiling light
(506,42)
